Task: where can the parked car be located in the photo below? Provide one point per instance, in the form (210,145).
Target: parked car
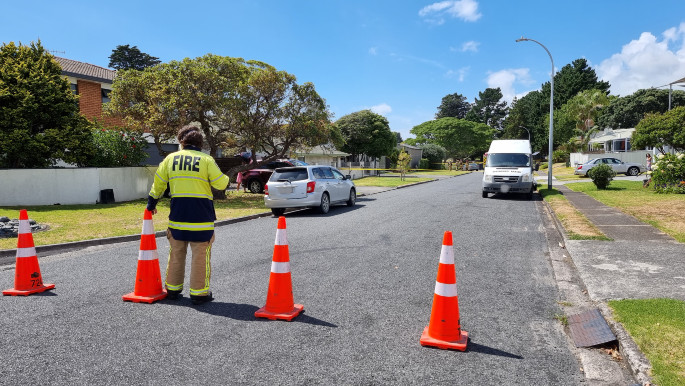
(255,179)
(313,186)
(473,166)
(620,167)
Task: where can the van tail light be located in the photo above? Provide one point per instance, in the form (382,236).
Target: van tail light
(266,189)
(310,186)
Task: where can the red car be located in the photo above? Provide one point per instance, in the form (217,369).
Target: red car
(255,179)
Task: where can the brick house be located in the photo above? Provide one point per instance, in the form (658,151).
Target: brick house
(92,84)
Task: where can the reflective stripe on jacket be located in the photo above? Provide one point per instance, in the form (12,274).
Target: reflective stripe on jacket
(190,175)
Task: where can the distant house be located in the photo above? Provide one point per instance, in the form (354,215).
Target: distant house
(319,155)
(92,84)
(611,140)
(414,152)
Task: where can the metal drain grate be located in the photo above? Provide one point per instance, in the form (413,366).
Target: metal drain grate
(590,329)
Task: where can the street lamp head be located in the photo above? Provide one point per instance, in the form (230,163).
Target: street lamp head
(521,40)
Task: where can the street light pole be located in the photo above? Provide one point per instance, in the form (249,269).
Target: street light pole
(527,131)
(551,113)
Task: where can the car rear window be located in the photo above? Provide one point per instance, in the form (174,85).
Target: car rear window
(289,174)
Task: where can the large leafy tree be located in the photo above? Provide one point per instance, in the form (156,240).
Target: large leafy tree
(127,57)
(572,79)
(39,116)
(488,108)
(236,103)
(658,130)
(531,112)
(626,112)
(435,154)
(453,105)
(365,132)
(461,138)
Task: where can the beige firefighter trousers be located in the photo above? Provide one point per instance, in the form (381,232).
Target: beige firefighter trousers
(200,266)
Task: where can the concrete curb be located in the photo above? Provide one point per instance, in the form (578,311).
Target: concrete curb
(636,360)
(7,256)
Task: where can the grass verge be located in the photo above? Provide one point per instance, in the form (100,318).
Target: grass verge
(577,226)
(85,222)
(388,182)
(663,211)
(658,328)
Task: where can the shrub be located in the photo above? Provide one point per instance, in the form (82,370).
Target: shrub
(668,174)
(424,163)
(560,156)
(601,175)
(435,154)
(117,147)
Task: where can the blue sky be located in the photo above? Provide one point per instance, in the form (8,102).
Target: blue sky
(398,58)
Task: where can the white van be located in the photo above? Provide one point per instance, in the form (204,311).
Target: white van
(509,168)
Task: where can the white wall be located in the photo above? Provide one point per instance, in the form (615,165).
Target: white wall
(637,156)
(72,185)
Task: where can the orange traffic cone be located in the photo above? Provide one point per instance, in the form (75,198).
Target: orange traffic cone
(444,330)
(279,298)
(148,287)
(27,277)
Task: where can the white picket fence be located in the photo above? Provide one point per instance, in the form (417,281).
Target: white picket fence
(64,186)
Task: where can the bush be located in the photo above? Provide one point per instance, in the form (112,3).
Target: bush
(117,148)
(424,163)
(435,154)
(668,174)
(601,175)
(560,156)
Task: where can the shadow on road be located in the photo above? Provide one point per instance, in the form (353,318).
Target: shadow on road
(475,347)
(239,311)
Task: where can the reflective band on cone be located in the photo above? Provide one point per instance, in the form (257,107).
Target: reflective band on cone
(279,297)
(444,330)
(27,277)
(148,286)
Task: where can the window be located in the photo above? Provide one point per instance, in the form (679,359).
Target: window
(338,175)
(328,173)
(318,174)
(105,95)
(74,88)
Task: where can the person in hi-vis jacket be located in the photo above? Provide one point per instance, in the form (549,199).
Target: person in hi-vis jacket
(190,175)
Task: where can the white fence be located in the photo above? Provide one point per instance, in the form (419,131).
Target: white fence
(637,156)
(20,187)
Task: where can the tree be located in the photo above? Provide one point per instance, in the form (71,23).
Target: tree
(626,112)
(403,160)
(572,79)
(488,109)
(127,57)
(453,105)
(435,154)
(39,115)
(366,132)
(658,130)
(236,103)
(584,109)
(531,112)
(461,138)
(398,136)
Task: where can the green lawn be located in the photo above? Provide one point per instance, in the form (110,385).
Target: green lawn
(389,182)
(658,328)
(663,211)
(83,222)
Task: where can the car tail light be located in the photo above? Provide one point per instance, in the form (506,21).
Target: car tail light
(579,167)
(310,186)
(266,189)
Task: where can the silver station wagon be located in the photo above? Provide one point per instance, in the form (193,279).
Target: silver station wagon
(313,186)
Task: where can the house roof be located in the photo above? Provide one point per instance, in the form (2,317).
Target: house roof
(609,134)
(85,70)
(409,146)
(320,150)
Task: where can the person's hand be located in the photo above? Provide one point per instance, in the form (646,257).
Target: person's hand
(153,211)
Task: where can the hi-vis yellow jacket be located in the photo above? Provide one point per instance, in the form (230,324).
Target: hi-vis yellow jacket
(190,175)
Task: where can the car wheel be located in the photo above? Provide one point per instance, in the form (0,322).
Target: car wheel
(255,186)
(633,171)
(278,211)
(353,198)
(325,205)
(485,194)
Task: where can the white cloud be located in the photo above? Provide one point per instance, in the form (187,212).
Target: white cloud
(466,10)
(507,79)
(470,46)
(646,62)
(382,109)
(460,74)
(373,51)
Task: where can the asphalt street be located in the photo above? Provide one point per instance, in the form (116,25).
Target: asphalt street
(365,276)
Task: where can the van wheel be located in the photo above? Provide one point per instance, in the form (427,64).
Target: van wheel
(485,194)
(278,211)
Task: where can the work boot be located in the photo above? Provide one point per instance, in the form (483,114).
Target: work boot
(196,299)
(173,295)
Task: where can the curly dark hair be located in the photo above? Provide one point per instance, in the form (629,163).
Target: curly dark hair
(190,135)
